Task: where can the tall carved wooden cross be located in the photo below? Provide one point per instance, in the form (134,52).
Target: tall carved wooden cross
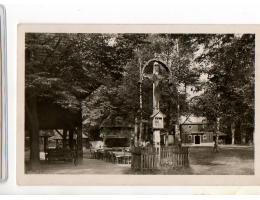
(156,77)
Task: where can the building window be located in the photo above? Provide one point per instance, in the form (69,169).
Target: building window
(204,137)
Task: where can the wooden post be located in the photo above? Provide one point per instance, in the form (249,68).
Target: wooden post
(45,144)
(156,108)
(156,144)
(57,142)
(71,144)
(31,111)
(140,139)
(167,139)
(218,128)
(64,138)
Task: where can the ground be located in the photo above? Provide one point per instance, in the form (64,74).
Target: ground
(231,160)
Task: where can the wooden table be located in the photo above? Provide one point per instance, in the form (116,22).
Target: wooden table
(122,157)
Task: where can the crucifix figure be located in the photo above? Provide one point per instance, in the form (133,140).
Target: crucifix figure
(156,78)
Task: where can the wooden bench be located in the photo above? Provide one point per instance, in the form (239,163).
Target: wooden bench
(65,155)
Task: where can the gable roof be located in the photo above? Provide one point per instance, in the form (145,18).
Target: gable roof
(156,113)
(192,119)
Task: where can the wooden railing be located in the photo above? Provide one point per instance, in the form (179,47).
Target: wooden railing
(148,158)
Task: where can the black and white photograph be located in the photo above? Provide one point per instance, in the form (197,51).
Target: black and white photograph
(139,103)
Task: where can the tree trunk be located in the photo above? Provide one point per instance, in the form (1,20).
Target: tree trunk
(79,144)
(45,142)
(31,107)
(243,134)
(167,139)
(71,143)
(185,90)
(140,139)
(136,133)
(216,130)
(233,133)
(238,132)
(64,139)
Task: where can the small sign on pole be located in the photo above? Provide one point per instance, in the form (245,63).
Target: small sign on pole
(158,120)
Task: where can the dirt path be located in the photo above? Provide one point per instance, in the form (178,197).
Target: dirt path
(89,166)
(229,161)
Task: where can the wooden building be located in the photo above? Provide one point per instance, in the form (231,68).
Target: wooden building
(116,132)
(196,130)
(50,116)
(196,133)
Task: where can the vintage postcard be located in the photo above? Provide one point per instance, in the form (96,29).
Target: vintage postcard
(138,105)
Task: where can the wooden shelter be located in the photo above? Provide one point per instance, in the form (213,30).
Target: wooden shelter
(52,117)
(117,132)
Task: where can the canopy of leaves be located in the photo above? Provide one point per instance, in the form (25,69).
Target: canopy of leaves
(104,71)
(64,68)
(229,92)
(123,96)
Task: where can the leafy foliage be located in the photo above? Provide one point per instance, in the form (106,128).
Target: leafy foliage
(229,92)
(64,68)
(100,72)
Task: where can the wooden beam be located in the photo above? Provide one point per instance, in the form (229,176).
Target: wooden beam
(59,132)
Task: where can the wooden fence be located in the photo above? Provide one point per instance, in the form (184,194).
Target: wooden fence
(174,157)
(170,157)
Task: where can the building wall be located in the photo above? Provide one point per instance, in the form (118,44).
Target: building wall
(203,131)
(189,128)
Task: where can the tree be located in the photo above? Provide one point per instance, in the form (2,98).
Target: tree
(122,96)
(178,52)
(228,60)
(117,97)
(64,69)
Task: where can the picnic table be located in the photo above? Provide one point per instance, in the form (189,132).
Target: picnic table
(122,157)
(110,155)
(98,154)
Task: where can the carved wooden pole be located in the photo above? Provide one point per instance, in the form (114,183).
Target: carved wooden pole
(156,109)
